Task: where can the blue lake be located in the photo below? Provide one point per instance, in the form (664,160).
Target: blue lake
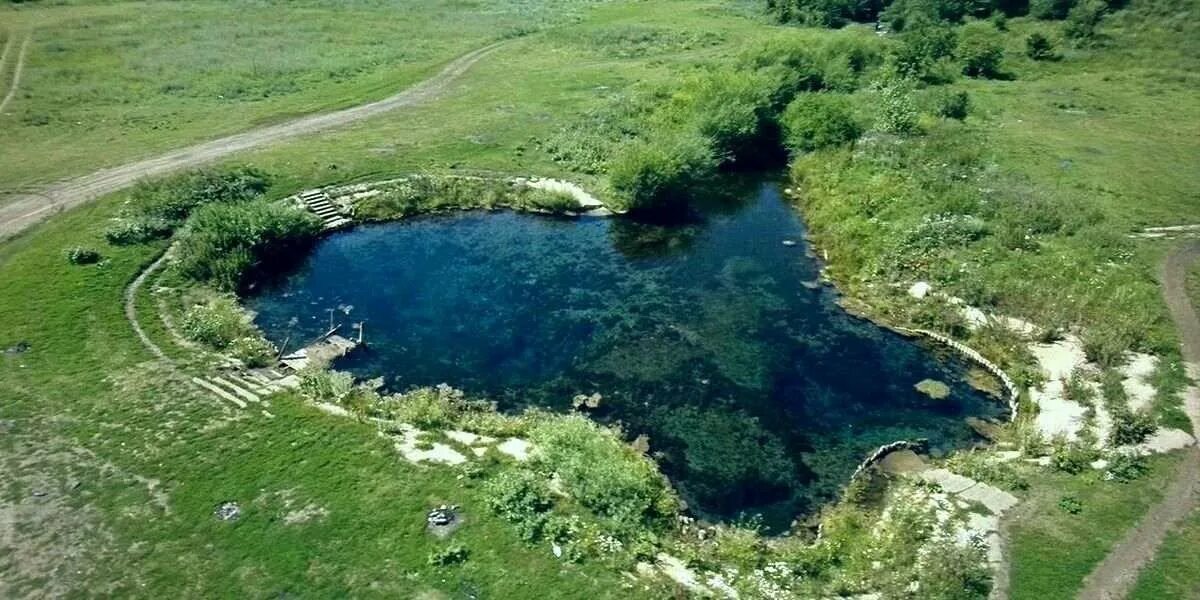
(758,393)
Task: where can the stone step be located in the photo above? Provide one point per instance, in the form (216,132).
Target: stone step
(235,388)
(222,394)
(306,194)
(243,379)
(258,378)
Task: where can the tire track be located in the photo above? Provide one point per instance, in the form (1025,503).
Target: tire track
(1117,574)
(16,77)
(27,209)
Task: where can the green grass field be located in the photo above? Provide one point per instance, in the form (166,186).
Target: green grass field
(108,82)
(97,440)
(1053,550)
(1175,573)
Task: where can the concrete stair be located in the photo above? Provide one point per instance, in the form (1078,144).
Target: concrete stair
(320,204)
(244,387)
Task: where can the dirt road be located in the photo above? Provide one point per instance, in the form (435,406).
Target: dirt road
(27,209)
(1115,577)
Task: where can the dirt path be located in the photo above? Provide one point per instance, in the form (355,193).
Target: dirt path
(1116,575)
(16,77)
(27,209)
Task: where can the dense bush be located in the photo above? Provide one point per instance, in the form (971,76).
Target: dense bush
(79,255)
(895,111)
(522,498)
(1050,9)
(924,52)
(224,243)
(450,555)
(659,171)
(731,109)
(1130,427)
(824,13)
(603,474)
(137,230)
(1083,20)
(253,351)
(1039,47)
(952,105)
(173,199)
(1124,467)
(216,323)
(980,50)
(816,121)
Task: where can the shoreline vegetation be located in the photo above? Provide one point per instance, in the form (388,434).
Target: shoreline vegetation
(916,156)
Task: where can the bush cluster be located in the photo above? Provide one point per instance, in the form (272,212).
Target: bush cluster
(79,255)
(216,323)
(223,244)
(157,208)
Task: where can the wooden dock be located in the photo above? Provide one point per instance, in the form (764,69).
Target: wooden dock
(321,352)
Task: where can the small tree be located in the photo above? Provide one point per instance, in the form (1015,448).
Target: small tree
(815,121)
(980,51)
(1083,20)
(897,113)
(1039,47)
(953,105)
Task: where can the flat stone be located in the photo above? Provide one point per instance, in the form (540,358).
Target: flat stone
(919,290)
(516,448)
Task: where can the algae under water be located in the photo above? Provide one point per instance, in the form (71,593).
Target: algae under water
(759,393)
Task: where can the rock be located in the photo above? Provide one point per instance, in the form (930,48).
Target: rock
(789,243)
(933,388)
(228,511)
(985,429)
(919,290)
(556,550)
(516,448)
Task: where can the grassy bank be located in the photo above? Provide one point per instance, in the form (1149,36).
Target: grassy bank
(1021,207)
(1052,550)
(1175,572)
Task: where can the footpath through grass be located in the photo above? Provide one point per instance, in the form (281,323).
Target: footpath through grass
(1053,550)
(105,83)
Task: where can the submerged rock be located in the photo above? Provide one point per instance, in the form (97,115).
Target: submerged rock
(933,388)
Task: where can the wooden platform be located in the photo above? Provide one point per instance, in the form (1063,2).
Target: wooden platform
(321,352)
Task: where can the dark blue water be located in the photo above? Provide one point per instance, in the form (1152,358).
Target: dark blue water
(758,393)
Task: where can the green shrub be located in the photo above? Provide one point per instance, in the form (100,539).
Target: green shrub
(450,555)
(522,498)
(137,230)
(980,50)
(922,49)
(427,407)
(216,323)
(1083,21)
(953,105)
(1124,467)
(224,244)
(79,255)
(253,351)
(896,112)
(660,170)
(172,200)
(603,474)
(1039,47)
(1070,504)
(1130,427)
(1072,458)
(731,109)
(322,385)
(815,121)
(1050,9)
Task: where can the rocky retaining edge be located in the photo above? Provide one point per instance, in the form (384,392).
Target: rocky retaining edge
(978,358)
(971,353)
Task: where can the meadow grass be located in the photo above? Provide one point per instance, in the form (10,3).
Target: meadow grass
(108,82)
(1175,572)
(1080,133)
(1052,550)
